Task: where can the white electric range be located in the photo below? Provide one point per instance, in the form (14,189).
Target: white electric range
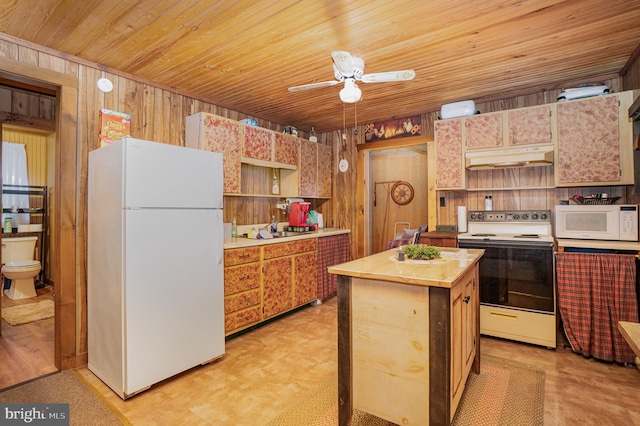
(517,279)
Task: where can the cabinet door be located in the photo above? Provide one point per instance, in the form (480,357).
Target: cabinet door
(588,142)
(277,286)
(223,135)
(305,288)
(286,149)
(457,350)
(450,172)
(308,167)
(529,126)
(258,143)
(325,168)
(483,131)
(464,309)
(469,319)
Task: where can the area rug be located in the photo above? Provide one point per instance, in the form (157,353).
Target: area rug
(28,312)
(85,406)
(504,393)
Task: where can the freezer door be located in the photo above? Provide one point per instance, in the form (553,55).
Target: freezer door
(162,175)
(174,294)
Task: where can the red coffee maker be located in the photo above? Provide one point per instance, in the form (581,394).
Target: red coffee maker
(298,214)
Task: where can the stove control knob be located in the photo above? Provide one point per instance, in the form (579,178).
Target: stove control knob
(543,216)
(472,216)
(480,216)
(534,216)
(516,217)
(525,216)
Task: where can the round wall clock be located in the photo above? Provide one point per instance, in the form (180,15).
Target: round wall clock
(402,193)
(343,165)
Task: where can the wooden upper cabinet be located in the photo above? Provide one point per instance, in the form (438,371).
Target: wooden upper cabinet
(308,167)
(450,172)
(595,141)
(258,143)
(218,134)
(483,131)
(325,157)
(528,126)
(286,149)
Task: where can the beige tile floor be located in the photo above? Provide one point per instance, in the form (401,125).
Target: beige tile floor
(266,370)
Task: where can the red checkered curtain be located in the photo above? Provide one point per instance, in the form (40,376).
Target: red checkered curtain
(332,251)
(595,291)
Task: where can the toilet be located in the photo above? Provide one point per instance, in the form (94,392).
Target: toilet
(20,267)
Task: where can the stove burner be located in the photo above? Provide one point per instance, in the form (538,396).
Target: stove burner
(483,235)
(527,236)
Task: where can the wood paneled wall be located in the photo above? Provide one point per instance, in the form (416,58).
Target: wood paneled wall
(505,199)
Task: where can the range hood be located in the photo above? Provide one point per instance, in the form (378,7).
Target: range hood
(510,157)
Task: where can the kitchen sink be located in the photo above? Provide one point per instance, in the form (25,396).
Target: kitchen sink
(281,234)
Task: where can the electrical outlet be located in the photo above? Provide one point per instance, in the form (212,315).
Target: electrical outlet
(443,201)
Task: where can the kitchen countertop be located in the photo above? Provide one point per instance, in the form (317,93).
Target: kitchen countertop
(598,244)
(440,272)
(239,242)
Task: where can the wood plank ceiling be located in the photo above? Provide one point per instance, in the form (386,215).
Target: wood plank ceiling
(245,54)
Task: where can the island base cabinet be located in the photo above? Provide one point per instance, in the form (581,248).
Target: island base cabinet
(390,350)
(405,351)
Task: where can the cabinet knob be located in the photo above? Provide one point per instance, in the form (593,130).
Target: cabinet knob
(466,299)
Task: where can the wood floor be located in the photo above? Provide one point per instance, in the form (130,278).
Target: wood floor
(266,370)
(26,350)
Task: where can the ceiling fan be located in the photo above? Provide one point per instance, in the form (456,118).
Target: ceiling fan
(348,69)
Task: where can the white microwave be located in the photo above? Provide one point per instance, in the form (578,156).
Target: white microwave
(597,222)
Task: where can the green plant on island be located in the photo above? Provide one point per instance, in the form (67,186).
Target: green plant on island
(415,251)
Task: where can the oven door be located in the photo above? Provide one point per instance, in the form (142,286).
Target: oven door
(517,275)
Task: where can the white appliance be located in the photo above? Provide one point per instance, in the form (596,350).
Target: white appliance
(155,262)
(582,92)
(614,222)
(517,279)
(458,109)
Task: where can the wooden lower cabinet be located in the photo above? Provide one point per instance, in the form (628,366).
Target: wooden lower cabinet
(305,288)
(464,308)
(264,281)
(242,296)
(278,288)
(289,275)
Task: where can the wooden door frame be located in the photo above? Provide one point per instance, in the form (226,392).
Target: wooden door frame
(67,322)
(362,232)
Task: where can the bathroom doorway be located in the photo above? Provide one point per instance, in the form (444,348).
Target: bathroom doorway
(28,348)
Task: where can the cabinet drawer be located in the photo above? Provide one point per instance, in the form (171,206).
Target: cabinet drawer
(242,318)
(243,255)
(287,249)
(241,278)
(240,301)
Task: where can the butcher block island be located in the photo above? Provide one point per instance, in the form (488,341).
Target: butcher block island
(408,335)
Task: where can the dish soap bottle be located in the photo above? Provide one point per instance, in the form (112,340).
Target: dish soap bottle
(274,224)
(234,228)
(275,188)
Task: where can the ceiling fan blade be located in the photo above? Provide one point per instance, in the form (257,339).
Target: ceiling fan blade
(313,85)
(381,77)
(343,62)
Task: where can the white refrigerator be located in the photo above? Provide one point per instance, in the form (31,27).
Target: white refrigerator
(155,291)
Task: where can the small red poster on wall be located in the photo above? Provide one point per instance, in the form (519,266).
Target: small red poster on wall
(391,129)
(113,126)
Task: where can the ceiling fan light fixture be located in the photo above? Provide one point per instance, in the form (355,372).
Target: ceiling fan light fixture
(351,92)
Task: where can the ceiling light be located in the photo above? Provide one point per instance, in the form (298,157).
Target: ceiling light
(351,92)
